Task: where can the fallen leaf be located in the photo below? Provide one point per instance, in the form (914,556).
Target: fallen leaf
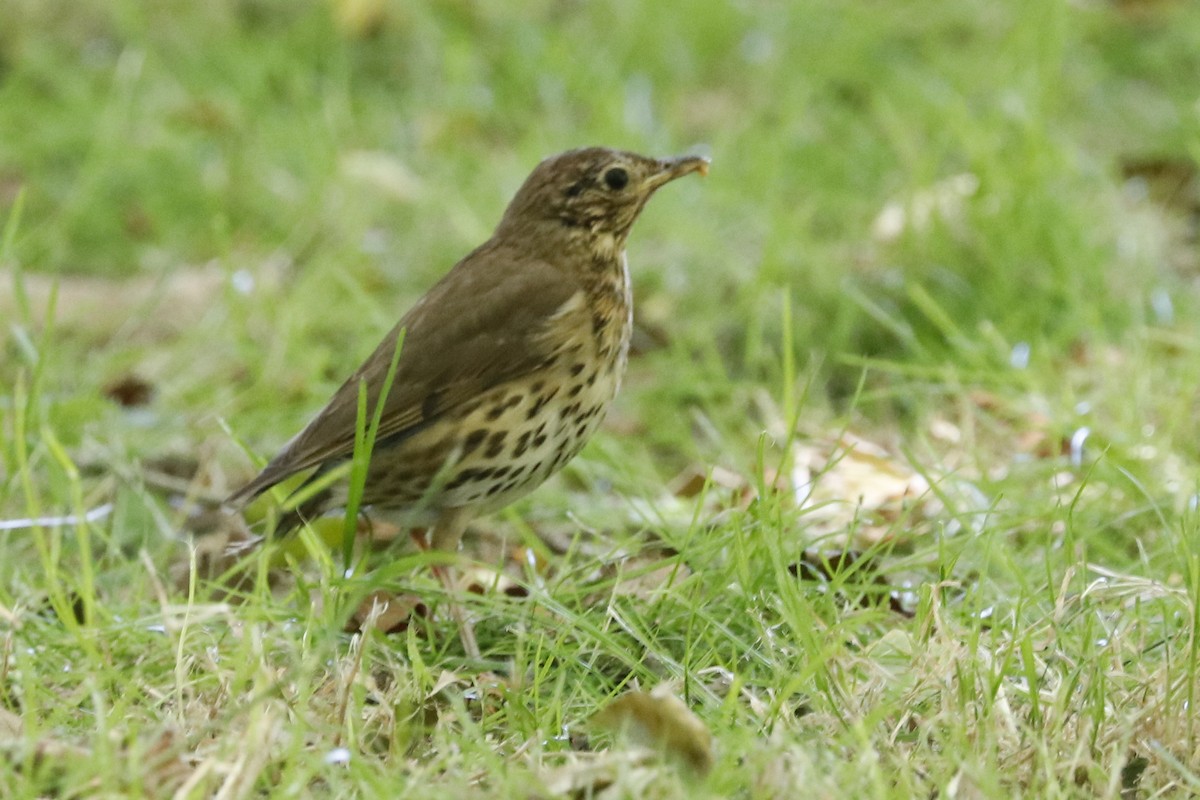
(692,481)
(855,487)
(595,775)
(386,612)
(662,721)
(129,391)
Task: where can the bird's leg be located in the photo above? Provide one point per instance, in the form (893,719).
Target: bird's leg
(446,534)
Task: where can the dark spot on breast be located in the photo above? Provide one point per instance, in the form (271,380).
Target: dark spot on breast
(463,478)
(539,440)
(434,454)
(537,387)
(576,369)
(497,411)
(495,445)
(522,445)
(598,324)
(575,390)
(591,379)
(473,440)
(540,403)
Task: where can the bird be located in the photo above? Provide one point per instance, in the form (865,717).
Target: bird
(506,366)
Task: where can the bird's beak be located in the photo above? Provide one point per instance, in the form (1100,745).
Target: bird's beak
(671,168)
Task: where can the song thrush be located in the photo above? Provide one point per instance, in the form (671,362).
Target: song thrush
(507,365)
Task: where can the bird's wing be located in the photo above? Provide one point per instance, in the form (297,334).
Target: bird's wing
(482,325)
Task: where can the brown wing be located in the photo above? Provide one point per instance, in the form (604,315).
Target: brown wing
(478,327)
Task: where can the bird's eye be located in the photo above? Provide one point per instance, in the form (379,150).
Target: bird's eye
(616,178)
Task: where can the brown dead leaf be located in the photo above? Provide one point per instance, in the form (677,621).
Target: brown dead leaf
(129,391)
(661,721)
(695,477)
(847,486)
(481,579)
(851,484)
(601,776)
(386,612)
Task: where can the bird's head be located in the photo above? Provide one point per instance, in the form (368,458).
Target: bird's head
(593,192)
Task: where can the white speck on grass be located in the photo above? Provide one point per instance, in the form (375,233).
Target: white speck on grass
(1077,439)
(1161,305)
(338,756)
(1019,357)
(242,281)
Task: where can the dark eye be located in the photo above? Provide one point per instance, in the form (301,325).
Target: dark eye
(616,178)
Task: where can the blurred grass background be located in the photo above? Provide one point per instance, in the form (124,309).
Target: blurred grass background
(235,199)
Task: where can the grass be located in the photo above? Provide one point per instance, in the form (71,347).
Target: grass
(212,211)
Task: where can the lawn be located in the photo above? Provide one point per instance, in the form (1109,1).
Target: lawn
(899,498)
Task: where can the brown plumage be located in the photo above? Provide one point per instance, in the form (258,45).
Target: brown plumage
(508,363)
